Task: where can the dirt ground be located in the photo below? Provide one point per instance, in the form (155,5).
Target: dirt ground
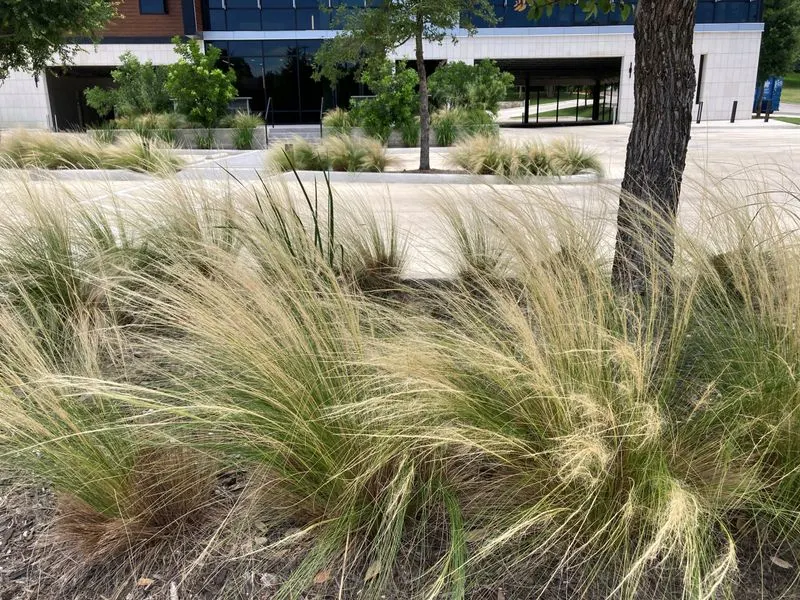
(32,567)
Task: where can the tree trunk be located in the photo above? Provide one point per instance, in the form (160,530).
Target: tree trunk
(663,91)
(424,112)
(760,98)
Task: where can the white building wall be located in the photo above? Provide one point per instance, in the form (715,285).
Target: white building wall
(24,104)
(730,67)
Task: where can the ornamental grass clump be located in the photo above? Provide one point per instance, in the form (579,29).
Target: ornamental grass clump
(490,155)
(336,153)
(244,126)
(517,426)
(45,150)
(338,121)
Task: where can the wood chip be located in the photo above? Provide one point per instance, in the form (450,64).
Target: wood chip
(144,582)
(322,577)
(173,590)
(779,562)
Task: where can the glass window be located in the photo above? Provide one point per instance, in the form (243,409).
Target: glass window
(308,19)
(216,20)
(705,11)
(215,4)
(241,4)
(243,19)
(152,7)
(731,12)
(252,48)
(276,4)
(277,19)
(311,3)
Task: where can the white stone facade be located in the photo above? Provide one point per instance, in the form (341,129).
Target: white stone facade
(24,103)
(731,52)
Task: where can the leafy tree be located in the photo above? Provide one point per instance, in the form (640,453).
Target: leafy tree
(139,89)
(656,157)
(780,42)
(368,36)
(481,86)
(201,90)
(393,105)
(35,33)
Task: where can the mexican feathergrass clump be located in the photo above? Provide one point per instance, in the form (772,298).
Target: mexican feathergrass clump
(46,150)
(518,427)
(490,155)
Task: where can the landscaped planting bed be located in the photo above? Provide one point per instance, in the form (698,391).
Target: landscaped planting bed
(238,396)
(41,149)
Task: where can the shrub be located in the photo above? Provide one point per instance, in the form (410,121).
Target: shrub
(481,86)
(139,89)
(201,90)
(244,126)
(395,103)
(338,121)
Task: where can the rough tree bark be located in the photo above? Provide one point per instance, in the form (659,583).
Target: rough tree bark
(663,91)
(424,110)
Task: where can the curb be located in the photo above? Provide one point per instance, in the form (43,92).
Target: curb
(438,178)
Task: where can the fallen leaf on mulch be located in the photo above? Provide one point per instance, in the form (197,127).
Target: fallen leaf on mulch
(779,562)
(322,576)
(144,582)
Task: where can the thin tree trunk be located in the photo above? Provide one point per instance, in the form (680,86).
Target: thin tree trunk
(424,111)
(663,91)
(760,98)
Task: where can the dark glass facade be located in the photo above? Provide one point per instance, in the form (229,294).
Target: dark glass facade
(308,15)
(281,70)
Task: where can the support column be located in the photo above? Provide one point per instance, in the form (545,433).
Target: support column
(526,115)
(596,101)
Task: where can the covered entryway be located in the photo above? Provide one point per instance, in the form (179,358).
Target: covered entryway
(65,86)
(563,91)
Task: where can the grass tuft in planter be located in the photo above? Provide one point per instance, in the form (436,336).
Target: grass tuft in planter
(244,126)
(489,155)
(46,150)
(337,153)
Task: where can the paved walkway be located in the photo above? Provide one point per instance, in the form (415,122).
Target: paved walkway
(740,162)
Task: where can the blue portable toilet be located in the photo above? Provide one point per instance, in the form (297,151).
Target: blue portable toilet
(772,91)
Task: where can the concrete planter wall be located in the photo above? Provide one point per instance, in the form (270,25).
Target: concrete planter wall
(223,137)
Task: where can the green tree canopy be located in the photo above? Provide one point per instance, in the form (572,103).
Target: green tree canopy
(38,33)
(201,90)
(482,85)
(139,88)
(780,42)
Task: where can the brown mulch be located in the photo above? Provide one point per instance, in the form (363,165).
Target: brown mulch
(31,567)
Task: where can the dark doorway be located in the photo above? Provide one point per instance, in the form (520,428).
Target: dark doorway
(68,108)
